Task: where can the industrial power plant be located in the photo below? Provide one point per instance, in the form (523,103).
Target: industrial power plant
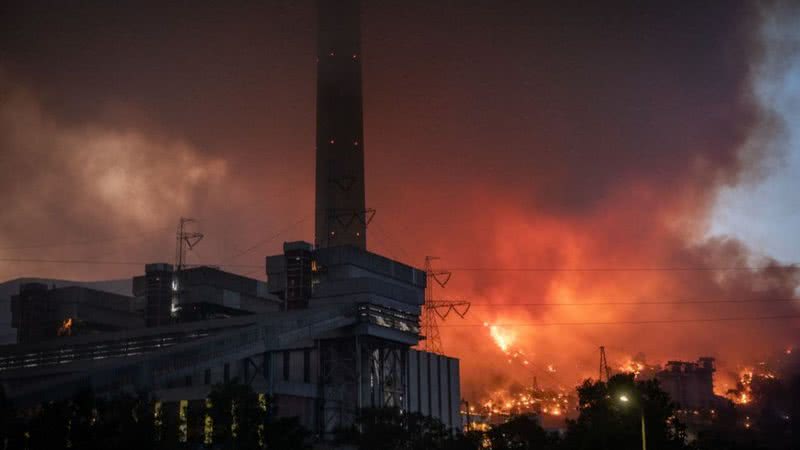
(333,330)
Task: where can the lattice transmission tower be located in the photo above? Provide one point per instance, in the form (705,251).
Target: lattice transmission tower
(604,370)
(435,309)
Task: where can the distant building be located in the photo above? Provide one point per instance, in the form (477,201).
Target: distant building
(690,384)
(40,313)
(296,282)
(156,288)
(199,293)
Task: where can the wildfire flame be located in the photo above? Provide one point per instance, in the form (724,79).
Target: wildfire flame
(66,327)
(743,394)
(634,367)
(502,338)
(530,400)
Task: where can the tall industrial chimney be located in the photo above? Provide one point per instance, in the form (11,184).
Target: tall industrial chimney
(341,215)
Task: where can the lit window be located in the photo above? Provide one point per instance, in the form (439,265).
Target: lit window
(183,424)
(208,425)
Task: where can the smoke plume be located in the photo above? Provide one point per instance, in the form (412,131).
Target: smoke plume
(521,136)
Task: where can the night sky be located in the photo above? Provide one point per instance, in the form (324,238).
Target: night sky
(502,135)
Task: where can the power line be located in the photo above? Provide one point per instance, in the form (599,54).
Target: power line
(628,322)
(86,242)
(477,304)
(631,303)
(474,269)
(623,269)
(134,263)
(391,240)
(71,261)
(382,242)
(112,262)
(266,240)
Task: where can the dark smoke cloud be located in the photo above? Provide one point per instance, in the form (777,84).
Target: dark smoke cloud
(63,182)
(497,135)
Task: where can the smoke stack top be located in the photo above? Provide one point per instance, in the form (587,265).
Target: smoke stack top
(341,215)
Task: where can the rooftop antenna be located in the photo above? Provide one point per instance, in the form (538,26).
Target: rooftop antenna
(435,310)
(184,240)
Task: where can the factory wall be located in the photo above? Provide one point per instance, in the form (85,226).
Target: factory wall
(39,312)
(690,384)
(434,387)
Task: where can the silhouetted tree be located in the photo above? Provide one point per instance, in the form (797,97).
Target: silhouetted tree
(392,429)
(236,414)
(49,426)
(242,421)
(769,412)
(286,433)
(8,421)
(126,423)
(521,432)
(83,419)
(379,429)
(605,422)
(470,440)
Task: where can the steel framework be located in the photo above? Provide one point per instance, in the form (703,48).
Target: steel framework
(184,240)
(359,372)
(604,370)
(435,310)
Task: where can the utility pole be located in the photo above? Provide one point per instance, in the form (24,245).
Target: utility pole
(644,436)
(435,310)
(469,415)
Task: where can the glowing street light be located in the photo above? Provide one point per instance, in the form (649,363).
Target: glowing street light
(625,399)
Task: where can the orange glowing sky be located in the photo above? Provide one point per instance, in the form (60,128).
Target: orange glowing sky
(497,135)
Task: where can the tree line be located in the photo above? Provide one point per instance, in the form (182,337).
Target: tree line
(234,417)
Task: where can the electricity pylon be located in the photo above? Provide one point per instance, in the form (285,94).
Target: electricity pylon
(604,370)
(437,309)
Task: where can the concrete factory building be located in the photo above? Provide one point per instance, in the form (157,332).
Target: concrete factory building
(348,348)
(690,384)
(329,333)
(40,313)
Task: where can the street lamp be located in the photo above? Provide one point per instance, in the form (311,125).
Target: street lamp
(625,399)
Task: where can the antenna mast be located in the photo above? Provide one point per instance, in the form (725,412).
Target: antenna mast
(184,240)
